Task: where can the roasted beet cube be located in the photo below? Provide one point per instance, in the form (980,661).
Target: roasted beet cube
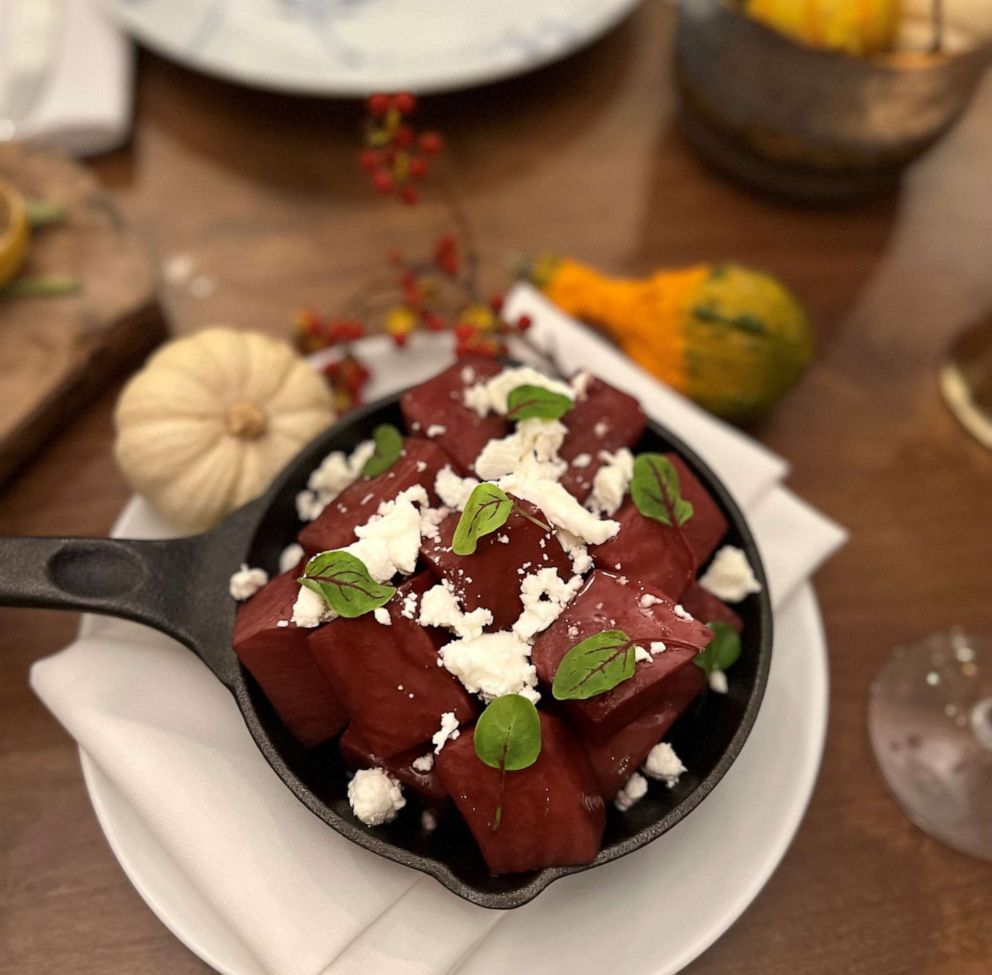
(335,526)
(616,759)
(278,658)
(491,576)
(437,409)
(552,813)
(646,616)
(662,556)
(602,419)
(357,753)
(706,607)
(387,676)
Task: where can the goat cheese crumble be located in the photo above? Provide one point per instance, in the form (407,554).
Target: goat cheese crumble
(632,791)
(490,396)
(439,606)
(662,763)
(544,595)
(453,490)
(612,480)
(375,796)
(729,576)
(246,582)
(448,730)
(424,763)
(559,507)
(335,472)
(311,609)
(290,556)
(492,665)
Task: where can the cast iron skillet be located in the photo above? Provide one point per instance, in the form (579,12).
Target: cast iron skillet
(180,587)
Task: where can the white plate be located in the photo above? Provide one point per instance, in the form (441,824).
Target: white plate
(355,47)
(717,859)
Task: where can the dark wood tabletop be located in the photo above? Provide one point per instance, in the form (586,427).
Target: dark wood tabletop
(261,193)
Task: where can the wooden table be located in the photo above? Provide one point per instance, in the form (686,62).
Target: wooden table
(262,194)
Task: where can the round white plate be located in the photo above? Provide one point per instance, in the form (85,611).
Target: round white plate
(355,47)
(667,902)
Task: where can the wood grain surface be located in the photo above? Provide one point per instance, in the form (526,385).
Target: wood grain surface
(261,194)
(57,353)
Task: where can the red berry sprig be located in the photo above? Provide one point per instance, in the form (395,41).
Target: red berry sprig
(396,157)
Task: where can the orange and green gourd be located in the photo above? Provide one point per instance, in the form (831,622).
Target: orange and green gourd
(732,339)
(858,27)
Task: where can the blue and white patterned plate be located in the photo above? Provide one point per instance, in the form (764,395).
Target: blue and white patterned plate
(354,47)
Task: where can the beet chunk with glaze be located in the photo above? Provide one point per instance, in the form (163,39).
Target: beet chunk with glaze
(663,556)
(645,615)
(335,526)
(492,575)
(279,660)
(439,403)
(358,754)
(616,759)
(603,418)
(552,812)
(706,607)
(387,676)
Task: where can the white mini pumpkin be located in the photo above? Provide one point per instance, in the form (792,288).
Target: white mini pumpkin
(212,418)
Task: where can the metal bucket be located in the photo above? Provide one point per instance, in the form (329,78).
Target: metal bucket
(808,123)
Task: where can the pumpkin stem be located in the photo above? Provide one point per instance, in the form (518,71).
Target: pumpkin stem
(245,420)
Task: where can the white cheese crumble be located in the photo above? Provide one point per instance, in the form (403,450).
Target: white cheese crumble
(448,730)
(657,646)
(601,429)
(682,613)
(611,482)
(290,556)
(490,396)
(642,656)
(576,551)
(532,449)
(730,576)
(428,821)
(582,460)
(375,796)
(632,791)
(453,490)
(423,764)
(718,682)
(436,430)
(430,521)
(580,384)
(468,375)
(392,536)
(503,539)
(648,600)
(662,763)
(381,615)
(409,606)
(336,472)
(246,582)
(544,595)
(439,606)
(311,609)
(559,507)
(491,665)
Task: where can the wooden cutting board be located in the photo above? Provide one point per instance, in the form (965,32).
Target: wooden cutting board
(56,353)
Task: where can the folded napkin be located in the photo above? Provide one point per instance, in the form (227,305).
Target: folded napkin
(297,898)
(84,107)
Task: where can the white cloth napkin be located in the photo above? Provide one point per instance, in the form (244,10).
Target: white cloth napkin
(298,898)
(85,105)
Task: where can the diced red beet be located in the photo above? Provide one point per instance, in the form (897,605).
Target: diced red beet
(279,660)
(604,419)
(491,576)
(552,812)
(706,607)
(659,555)
(387,676)
(357,753)
(607,604)
(616,759)
(440,403)
(335,526)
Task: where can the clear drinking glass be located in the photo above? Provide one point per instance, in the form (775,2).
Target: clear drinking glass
(930,715)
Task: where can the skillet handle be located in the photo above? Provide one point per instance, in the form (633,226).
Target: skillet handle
(178,586)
